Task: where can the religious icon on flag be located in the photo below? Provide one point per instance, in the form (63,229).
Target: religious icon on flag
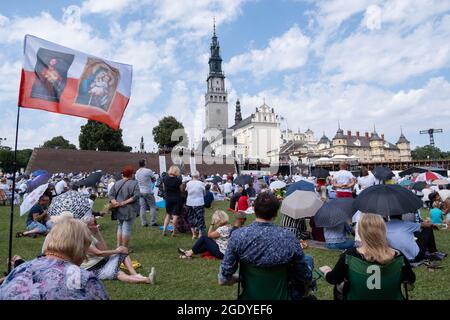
(63,80)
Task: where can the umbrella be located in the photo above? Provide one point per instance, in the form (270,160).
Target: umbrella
(216,179)
(117,176)
(300,185)
(243,180)
(92,179)
(301,204)
(429,176)
(320,173)
(383,173)
(387,200)
(334,212)
(38,173)
(38,181)
(441,182)
(406,183)
(444,194)
(419,186)
(277,185)
(75,202)
(32,198)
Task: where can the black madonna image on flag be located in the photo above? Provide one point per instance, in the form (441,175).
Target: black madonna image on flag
(51,74)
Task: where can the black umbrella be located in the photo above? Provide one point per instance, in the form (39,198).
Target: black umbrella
(320,173)
(243,180)
(387,200)
(383,173)
(419,185)
(335,212)
(216,179)
(92,179)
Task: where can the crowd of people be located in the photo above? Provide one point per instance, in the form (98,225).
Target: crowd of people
(75,257)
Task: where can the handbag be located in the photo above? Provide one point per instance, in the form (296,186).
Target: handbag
(115,210)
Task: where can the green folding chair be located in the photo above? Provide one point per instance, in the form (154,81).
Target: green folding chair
(258,283)
(389,286)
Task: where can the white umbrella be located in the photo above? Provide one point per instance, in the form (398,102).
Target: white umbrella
(277,185)
(32,198)
(444,194)
(441,182)
(301,204)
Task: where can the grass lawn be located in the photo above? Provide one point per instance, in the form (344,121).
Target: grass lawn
(197,279)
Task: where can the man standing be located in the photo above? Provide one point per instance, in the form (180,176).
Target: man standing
(144,178)
(343,182)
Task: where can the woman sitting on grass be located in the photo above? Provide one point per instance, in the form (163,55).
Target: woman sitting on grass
(105,264)
(373,253)
(56,275)
(217,240)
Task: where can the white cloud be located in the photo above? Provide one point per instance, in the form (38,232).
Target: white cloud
(321,105)
(106,6)
(287,52)
(195,16)
(69,32)
(390,57)
(9,80)
(372,18)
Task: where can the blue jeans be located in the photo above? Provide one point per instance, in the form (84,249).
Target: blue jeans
(43,229)
(347,244)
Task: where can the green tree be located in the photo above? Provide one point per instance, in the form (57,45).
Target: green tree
(95,135)
(428,152)
(58,143)
(7,159)
(162,133)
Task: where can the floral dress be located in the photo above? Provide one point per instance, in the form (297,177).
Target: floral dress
(51,279)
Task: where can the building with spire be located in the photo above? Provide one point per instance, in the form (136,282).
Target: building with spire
(216,97)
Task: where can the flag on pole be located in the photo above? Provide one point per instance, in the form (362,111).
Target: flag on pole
(63,80)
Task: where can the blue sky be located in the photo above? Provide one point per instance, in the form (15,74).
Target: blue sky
(360,62)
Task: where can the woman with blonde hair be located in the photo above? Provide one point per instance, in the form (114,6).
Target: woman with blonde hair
(217,240)
(375,252)
(56,275)
(105,264)
(172,188)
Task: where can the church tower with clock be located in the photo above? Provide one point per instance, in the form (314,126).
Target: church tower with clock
(216,97)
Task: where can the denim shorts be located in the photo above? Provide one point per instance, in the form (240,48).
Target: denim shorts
(125,226)
(36,225)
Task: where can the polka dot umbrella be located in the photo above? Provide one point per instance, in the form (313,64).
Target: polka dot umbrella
(71,201)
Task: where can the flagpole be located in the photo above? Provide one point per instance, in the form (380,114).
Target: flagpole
(11,218)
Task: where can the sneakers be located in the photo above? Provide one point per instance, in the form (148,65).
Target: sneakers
(152,275)
(439,255)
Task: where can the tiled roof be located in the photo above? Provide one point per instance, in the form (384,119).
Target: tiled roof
(66,161)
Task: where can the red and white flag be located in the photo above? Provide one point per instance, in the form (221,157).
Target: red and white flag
(62,80)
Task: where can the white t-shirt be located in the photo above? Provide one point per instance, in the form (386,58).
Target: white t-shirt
(227,188)
(4,186)
(365,182)
(59,187)
(196,192)
(343,177)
